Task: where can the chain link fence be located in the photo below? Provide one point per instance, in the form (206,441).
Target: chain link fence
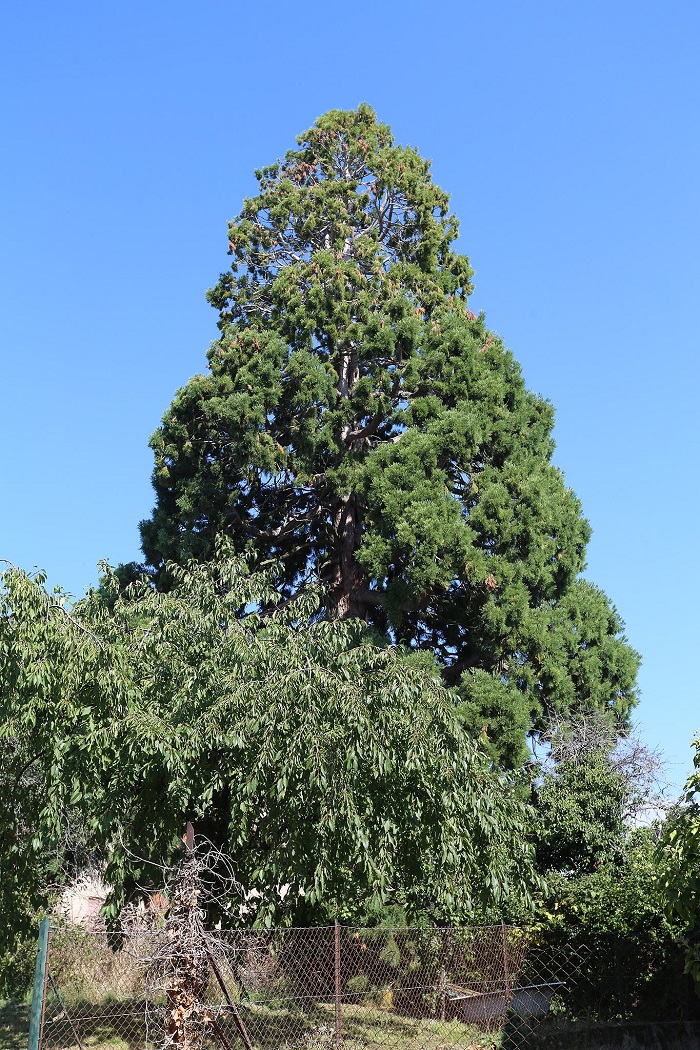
(323,988)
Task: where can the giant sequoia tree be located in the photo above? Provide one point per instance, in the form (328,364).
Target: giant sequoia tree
(361,429)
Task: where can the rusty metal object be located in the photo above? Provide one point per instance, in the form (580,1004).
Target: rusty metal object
(506,979)
(232,1006)
(338,1026)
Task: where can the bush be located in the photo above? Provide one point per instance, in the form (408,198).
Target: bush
(633,957)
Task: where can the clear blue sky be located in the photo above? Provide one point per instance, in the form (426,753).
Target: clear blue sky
(568,136)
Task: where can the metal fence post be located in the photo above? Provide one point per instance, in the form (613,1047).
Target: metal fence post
(442,991)
(506,976)
(36,1016)
(338,1030)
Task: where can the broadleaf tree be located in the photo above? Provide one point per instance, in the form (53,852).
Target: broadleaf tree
(679,865)
(325,764)
(362,431)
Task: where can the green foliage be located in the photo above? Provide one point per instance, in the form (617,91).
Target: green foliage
(30,867)
(322,762)
(605,890)
(679,859)
(500,712)
(361,427)
(24,873)
(632,961)
(617,898)
(580,811)
(18,949)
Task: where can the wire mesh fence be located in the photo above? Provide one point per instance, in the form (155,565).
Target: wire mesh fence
(323,988)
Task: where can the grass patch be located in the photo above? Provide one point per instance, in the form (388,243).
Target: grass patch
(121,1026)
(14,1027)
(369,1026)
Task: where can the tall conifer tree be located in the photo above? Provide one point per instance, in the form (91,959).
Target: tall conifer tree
(360,428)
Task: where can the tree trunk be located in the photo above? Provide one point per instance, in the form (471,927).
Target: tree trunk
(346,576)
(347,580)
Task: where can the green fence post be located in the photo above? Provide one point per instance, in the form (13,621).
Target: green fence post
(39,992)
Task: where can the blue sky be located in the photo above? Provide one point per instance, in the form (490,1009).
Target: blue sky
(568,137)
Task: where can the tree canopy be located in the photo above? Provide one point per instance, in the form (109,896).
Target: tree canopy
(321,762)
(580,815)
(363,433)
(593,787)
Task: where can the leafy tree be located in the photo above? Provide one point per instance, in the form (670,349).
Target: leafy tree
(593,785)
(631,959)
(322,762)
(622,899)
(361,428)
(34,861)
(26,874)
(580,816)
(604,890)
(679,861)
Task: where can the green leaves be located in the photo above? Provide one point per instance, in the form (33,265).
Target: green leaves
(362,431)
(581,808)
(678,858)
(322,762)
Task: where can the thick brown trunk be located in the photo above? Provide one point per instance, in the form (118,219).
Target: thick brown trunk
(348,583)
(350,594)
